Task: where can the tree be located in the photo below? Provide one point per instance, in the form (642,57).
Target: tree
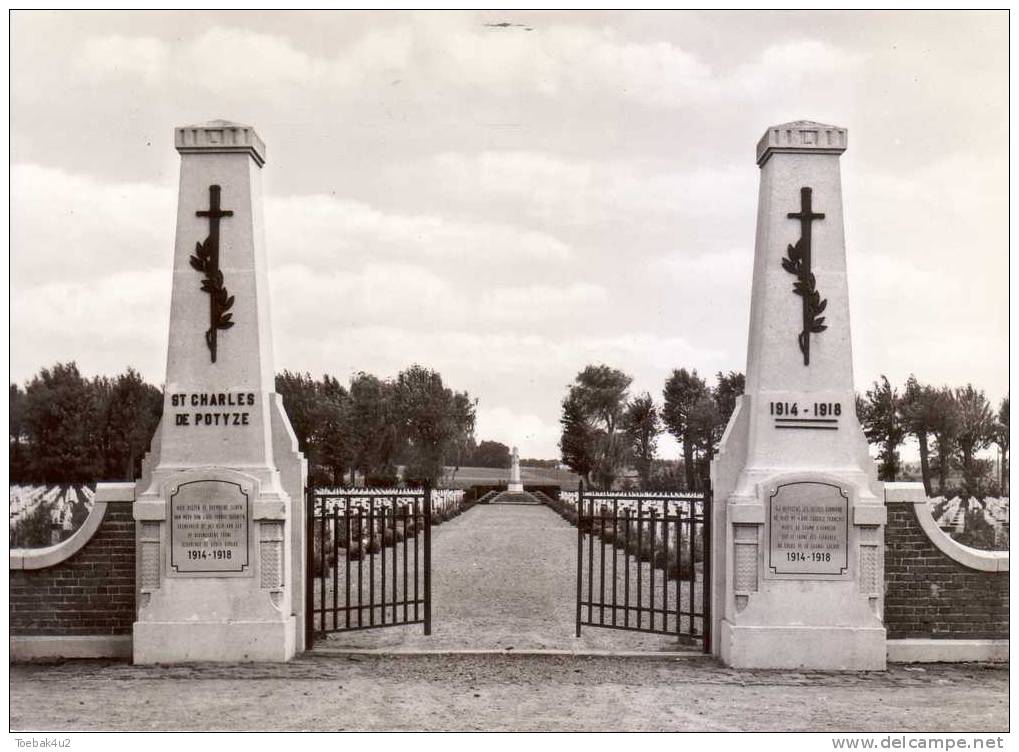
(705,427)
(129,414)
(975,432)
(491,454)
(883,425)
(683,390)
(920,407)
(462,416)
(708,418)
(300,400)
(60,418)
(432,419)
(577,442)
(642,426)
(728,387)
(944,429)
(372,426)
(331,435)
(597,400)
(17,448)
(1001,439)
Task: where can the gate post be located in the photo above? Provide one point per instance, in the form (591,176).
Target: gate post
(309,568)
(428,557)
(706,512)
(580,548)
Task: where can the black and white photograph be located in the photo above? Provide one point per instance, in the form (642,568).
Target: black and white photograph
(509,371)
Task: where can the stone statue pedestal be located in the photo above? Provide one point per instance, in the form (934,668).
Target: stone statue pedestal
(515,485)
(798,513)
(220,506)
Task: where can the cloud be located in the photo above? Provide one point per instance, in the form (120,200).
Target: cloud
(105,325)
(84,226)
(119,57)
(513,428)
(787,65)
(561,62)
(414,298)
(345,231)
(90,227)
(553,188)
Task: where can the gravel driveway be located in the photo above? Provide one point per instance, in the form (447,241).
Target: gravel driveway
(499,692)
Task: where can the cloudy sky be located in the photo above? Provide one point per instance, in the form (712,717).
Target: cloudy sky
(508,203)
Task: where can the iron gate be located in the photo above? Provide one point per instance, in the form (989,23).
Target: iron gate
(644,563)
(369,561)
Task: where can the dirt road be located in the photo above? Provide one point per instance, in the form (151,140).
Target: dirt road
(520,693)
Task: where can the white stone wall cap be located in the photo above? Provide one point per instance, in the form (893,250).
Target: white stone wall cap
(41,558)
(974,558)
(904,492)
(115,492)
(219,137)
(150,511)
(269,510)
(923,650)
(35,647)
(802,137)
(870,514)
(746,514)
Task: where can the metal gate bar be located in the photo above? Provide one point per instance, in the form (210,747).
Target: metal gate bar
(662,585)
(346,528)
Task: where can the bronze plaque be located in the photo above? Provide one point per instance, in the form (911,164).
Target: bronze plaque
(808,532)
(210,529)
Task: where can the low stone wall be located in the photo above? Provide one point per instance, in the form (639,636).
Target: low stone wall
(76,599)
(938,590)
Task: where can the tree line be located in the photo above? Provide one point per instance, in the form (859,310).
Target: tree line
(65,428)
(377,424)
(606,430)
(950,426)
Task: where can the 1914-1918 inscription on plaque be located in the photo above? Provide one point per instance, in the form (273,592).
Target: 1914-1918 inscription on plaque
(210,528)
(809,531)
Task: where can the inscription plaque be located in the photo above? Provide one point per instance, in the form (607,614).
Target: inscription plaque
(808,531)
(210,529)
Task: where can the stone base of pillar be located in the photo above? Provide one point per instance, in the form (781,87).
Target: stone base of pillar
(515,488)
(233,642)
(817,648)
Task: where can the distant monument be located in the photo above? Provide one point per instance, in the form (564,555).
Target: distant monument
(798,512)
(220,503)
(515,486)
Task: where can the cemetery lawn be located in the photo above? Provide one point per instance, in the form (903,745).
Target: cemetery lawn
(319,692)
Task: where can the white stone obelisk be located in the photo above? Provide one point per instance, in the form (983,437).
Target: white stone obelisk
(219,508)
(798,514)
(515,485)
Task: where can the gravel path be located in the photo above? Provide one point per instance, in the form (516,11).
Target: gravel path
(518,693)
(504,576)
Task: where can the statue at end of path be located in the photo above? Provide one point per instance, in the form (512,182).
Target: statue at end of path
(514,481)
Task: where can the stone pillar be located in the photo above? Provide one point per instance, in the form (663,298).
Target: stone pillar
(220,505)
(515,486)
(798,516)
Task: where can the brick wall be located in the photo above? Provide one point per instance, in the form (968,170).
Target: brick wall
(90,593)
(930,595)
